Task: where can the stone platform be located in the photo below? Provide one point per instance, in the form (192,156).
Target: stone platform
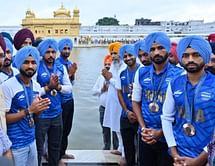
(91,158)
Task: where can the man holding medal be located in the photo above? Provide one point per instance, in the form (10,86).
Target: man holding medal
(190,105)
(22,100)
(149,91)
(54,78)
(128,120)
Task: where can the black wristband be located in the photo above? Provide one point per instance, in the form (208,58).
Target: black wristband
(26,112)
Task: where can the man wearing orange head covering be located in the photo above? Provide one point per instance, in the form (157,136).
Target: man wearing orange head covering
(107,61)
(100,89)
(113,107)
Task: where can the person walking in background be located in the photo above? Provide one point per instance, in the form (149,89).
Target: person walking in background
(128,120)
(190,105)
(65,46)
(54,78)
(21,96)
(147,100)
(100,89)
(113,108)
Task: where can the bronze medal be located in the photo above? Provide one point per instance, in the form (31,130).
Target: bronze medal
(189,129)
(53,92)
(130,87)
(153,107)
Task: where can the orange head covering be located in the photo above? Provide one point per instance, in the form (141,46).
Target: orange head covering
(211,37)
(114,47)
(108,59)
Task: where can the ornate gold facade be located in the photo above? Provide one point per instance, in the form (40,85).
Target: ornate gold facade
(62,25)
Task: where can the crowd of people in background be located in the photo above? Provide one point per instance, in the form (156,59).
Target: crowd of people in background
(156,100)
(87,40)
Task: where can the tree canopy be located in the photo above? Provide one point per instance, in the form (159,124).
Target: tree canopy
(107,21)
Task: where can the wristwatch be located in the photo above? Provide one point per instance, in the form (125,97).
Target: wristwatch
(26,112)
(142,129)
(127,112)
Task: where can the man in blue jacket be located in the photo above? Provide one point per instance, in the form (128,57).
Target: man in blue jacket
(149,92)
(55,80)
(190,105)
(65,47)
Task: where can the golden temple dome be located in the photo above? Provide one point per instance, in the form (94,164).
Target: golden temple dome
(29,14)
(76,10)
(62,12)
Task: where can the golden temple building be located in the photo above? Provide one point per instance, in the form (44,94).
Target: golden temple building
(62,25)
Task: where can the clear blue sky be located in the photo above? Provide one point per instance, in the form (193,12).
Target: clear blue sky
(13,11)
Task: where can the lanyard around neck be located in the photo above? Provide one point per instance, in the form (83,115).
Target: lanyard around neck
(189,107)
(157,91)
(48,71)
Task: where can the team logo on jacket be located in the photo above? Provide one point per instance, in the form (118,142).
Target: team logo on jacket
(21,97)
(44,74)
(177,93)
(123,78)
(168,80)
(147,80)
(205,96)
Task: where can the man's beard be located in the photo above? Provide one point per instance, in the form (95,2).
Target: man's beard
(130,62)
(27,73)
(146,63)
(197,68)
(108,68)
(211,69)
(7,62)
(49,60)
(65,55)
(158,59)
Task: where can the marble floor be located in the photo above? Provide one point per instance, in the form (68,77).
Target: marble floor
(92,158)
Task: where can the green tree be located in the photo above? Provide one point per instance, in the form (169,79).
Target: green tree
(107,21)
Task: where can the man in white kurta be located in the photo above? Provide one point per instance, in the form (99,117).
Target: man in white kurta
(113,108)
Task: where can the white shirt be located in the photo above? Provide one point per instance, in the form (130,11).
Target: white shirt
(4,76)
(97,90)
(113,108)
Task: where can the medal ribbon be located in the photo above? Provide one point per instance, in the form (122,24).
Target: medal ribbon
(130,81)
(157,91)
(189,108)
(29,98)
